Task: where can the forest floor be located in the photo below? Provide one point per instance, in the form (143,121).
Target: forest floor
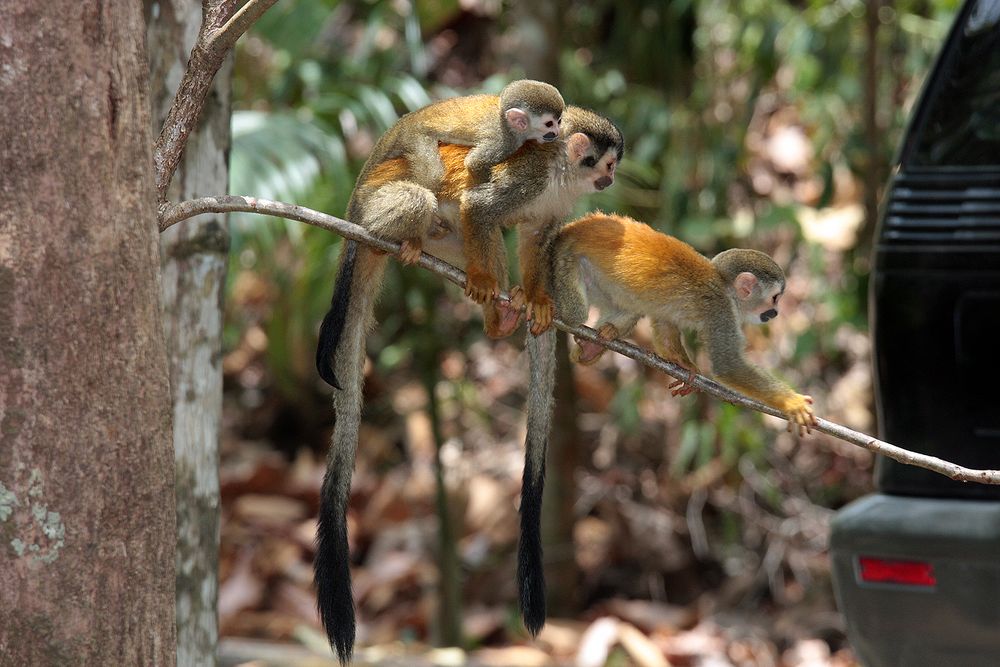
(268,613)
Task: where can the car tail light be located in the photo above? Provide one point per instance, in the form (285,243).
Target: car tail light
(899,572)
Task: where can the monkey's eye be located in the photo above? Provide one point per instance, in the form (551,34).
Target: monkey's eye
(589,161)
(774,299)
(549,124)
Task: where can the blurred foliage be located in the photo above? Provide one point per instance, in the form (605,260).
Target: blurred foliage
(743,124)
(704,92)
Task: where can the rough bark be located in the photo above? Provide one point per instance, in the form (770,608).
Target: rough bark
(193,266)
(86,483)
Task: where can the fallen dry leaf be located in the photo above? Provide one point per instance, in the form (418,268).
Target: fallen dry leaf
(596,642)
(273,510)
(644,652)
(480,622)
(512,656)
(650,615)
(242,590)
(562,636)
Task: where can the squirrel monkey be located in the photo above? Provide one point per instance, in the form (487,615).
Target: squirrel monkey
(627,269)
(631,270)
(536,186)
(494,126)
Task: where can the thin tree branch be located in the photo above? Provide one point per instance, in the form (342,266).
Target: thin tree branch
(171,214)
(220,29)
(225,37)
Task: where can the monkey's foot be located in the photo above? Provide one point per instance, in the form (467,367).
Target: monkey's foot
(541,311)
(502,316)
(439,228)
(801,417)
(410,251)
(588,352)
(684,387)
(480,286)
(517,298)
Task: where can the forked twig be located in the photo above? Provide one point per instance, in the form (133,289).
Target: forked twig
(221,26)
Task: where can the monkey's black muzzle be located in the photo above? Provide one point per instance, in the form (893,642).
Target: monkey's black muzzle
(603,182)
(768,315)
(550,136)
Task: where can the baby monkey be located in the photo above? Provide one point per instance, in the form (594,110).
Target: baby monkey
(495,128)
(628,270)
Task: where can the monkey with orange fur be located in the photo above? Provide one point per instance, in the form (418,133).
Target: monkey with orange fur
(628,270)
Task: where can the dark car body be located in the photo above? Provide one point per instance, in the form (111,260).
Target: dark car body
(917,565)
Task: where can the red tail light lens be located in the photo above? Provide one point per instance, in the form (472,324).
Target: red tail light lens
(901,572)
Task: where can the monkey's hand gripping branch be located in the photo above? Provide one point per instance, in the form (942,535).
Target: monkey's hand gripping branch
(171,214)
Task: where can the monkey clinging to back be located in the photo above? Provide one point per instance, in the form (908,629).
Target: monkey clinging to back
(527,110)
(628,270)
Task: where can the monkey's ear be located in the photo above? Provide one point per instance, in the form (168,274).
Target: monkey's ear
(518,120)
(577,146)
(744,284)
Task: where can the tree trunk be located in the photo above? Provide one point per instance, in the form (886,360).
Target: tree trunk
(537,39)
(86,483)
(193,257)
(874,160)
(448,626)
(558,518)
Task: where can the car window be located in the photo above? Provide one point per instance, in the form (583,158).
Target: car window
(962,126)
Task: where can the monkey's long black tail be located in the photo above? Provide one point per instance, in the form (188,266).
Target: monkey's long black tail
(332,562)
(332,328)
(530,570)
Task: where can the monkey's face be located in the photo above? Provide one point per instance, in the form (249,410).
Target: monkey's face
(544,127)
(591,167)
(766,304)
(757,300)
(599,170)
